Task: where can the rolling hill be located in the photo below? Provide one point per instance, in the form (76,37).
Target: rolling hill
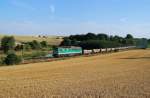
(117,75)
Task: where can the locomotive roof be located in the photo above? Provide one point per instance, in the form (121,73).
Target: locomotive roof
(68,47)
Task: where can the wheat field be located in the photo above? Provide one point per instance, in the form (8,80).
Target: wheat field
(52,40)
(116,75)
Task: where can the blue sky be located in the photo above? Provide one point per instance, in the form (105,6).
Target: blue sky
(64,17)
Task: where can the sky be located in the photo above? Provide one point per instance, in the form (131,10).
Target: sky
(67,17)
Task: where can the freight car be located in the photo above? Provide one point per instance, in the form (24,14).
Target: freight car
(86,52)
(103,50)
(109,49)
(66,51)
(96,50)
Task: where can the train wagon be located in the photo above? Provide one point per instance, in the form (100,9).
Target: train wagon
(87,52)
(96,50)
(108,49)
(103,50)
(67,51)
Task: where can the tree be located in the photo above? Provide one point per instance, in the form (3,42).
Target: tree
(7,43)
(66,42)
(90,36)
(12,59)
(102,36)
(129,36)
(18,47)
(44,44)
(75,42)
(35,45)
(129,39)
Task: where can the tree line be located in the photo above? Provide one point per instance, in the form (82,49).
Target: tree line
(91,40)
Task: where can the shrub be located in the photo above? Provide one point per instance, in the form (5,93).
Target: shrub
(35,45)
(18,47)
(12,59)
(44,44)
(27,47)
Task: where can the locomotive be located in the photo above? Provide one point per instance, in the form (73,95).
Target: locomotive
(67,51)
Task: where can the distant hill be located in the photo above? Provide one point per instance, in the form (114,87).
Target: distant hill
(52,40)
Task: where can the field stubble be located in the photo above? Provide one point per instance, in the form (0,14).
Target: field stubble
(117,75)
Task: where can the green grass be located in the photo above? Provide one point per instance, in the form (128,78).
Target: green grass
(28,54)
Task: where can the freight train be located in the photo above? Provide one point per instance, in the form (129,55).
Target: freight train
(74,51)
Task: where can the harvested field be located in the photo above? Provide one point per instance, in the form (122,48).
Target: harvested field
(117,75)
(52,40)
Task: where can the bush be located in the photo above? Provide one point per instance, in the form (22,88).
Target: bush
(44,44)
(18,47)
(12,59)
(27,47)
(35,45)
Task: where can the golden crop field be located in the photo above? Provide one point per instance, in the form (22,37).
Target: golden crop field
(116,75)
(53,40)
